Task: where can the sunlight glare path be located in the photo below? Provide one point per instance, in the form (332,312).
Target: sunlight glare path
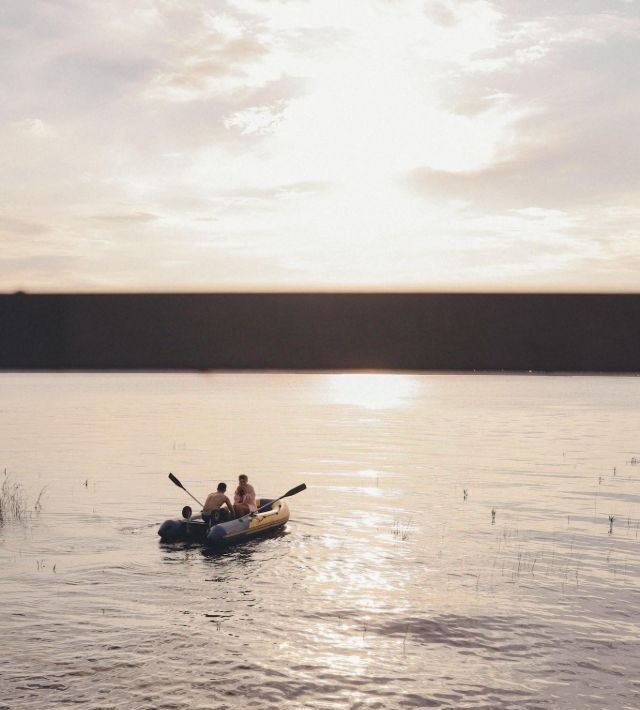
(371,391)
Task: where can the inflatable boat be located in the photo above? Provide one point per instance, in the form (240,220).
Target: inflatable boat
(271,516)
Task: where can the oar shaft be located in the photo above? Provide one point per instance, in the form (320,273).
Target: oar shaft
(292,492)
(194,498)
(174,480)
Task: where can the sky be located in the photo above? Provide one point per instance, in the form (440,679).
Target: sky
(261,145)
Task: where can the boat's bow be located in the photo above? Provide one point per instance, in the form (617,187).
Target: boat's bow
(250,525)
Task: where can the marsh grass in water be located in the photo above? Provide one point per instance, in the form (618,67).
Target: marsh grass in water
(37,506)
(13,500)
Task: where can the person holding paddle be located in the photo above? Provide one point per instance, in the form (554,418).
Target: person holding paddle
(244,499)
(215,501)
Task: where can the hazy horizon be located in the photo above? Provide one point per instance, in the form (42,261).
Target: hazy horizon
(307,289)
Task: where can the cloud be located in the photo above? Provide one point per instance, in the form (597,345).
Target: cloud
(404,141)
(256,119)
(126,218)
(534,9)
(15,226)
(277,191)
(34,127)
(575,105)
(27,271)
(213,64)
(440,12)
(565,173)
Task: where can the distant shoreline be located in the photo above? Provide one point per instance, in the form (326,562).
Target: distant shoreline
(313,332)
(443,373)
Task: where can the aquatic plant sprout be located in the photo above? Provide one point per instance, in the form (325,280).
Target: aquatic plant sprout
(12,499)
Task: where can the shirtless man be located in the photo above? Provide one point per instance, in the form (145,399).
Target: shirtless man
(244,499)
(216,500)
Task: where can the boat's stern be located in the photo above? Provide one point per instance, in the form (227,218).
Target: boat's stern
(179,530)
(171,530)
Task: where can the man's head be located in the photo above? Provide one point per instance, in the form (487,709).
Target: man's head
(222,487)
(243,479)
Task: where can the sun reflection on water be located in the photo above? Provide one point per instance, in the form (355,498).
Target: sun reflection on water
(371,391)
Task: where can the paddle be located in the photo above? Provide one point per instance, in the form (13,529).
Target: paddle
(177,482)
(291,492)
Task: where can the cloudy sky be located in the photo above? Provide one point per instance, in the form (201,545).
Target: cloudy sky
(319,144)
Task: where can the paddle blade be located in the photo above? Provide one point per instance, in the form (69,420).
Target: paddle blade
(176,481)
(295,490)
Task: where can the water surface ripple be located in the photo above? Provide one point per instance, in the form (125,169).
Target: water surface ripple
(464,542)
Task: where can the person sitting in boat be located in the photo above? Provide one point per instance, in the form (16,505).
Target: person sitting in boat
(244,499)
(215,501)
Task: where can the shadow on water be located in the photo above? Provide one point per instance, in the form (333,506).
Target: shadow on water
(485,635)
(243,551)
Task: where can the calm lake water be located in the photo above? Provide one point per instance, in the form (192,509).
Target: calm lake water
(453,549)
